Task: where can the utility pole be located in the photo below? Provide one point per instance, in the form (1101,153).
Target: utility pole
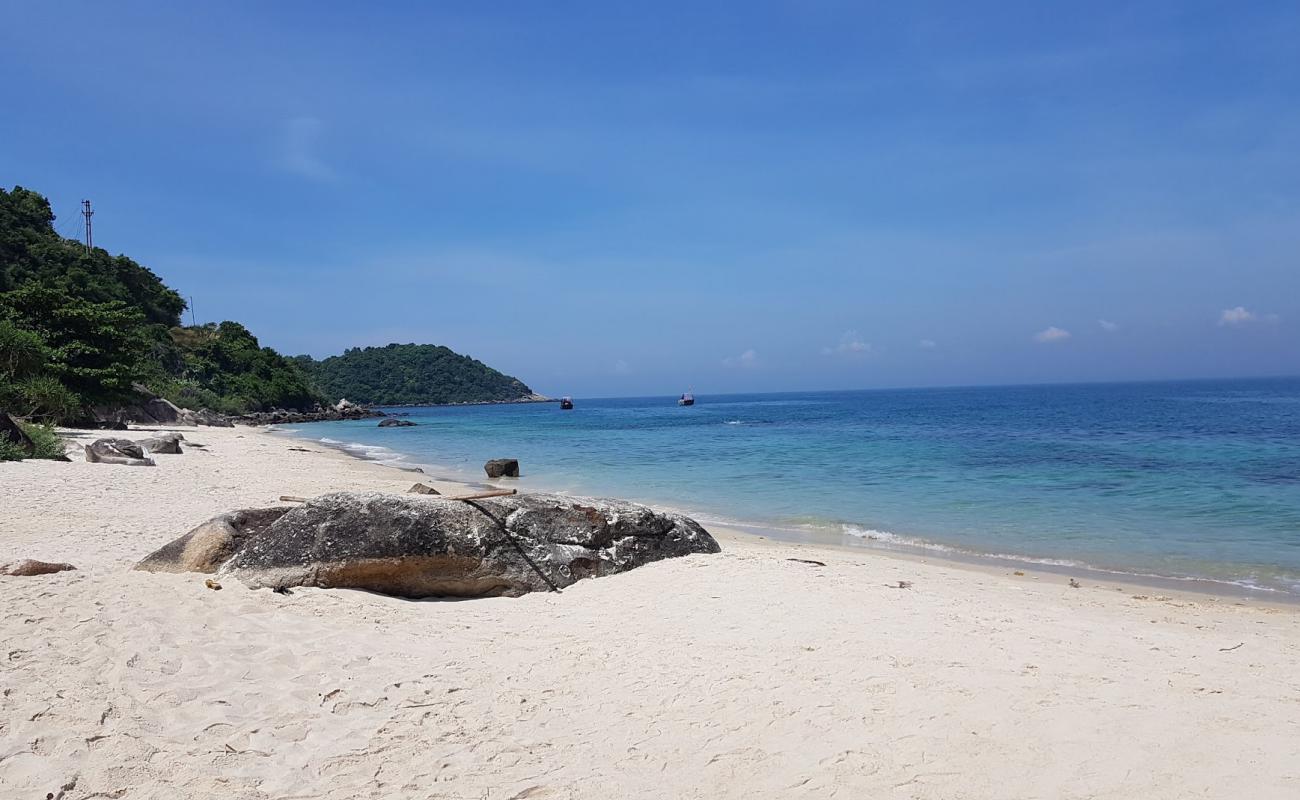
(87,213)
(194,323)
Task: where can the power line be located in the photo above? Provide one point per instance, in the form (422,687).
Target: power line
(65,227)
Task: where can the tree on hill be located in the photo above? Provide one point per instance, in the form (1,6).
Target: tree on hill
(223,367)
(79,328)
(411,374)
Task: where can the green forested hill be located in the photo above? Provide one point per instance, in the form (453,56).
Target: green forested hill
(411,374)
(78,328)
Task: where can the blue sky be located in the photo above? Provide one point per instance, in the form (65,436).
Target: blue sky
(613,199)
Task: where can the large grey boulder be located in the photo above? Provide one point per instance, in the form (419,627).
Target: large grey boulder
(502,468)
(427,546)
(163,444)
(390,422)
(117,451)
(165,411)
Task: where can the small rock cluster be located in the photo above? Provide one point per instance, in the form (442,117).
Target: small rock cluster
(133,454)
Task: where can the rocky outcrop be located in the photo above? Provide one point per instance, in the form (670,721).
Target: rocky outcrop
(165,411)
(163,444)
(28,567)
(117,451)
(281,417)
(396,423)
(502,468)
(12,432)
(416,546)
(206,416)
(150,409)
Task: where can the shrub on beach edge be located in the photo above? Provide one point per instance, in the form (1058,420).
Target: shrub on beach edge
(46,441)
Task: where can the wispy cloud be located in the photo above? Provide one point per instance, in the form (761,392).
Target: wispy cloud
(299,145)
(927,344)
(1242,316)
(621,368)
(1108,326)
(746,360)
(850,344)
(1052,334)
(1237,316)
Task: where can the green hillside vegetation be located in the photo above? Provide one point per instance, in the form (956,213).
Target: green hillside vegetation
(79,328)
(411,374)
(222,367)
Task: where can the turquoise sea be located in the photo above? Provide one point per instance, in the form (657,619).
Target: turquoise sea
(1196,479)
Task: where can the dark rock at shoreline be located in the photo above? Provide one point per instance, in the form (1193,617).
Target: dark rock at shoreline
(117,451)
(502,467)
(415,546)
(281,417)
(420,488)
(396,423)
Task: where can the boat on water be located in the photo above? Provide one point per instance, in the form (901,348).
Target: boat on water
(687,399)
(566,403)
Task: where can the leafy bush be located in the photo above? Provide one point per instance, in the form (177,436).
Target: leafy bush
(39,397)
(47,441)
(10,451)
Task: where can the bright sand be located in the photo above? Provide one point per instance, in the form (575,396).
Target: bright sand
(744,674)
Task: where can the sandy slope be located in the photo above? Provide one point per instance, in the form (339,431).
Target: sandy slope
(738,675)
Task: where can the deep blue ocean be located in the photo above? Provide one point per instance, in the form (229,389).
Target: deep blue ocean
(1196,479)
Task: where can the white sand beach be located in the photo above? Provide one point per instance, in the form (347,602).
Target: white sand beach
(744,674)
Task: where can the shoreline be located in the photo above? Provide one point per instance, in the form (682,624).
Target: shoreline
(921,550)
(1011,567)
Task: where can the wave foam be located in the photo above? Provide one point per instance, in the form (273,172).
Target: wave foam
(886,537)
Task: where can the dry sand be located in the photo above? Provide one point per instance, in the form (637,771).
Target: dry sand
(743,674)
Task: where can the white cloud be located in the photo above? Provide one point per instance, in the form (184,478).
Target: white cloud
(1108,326)
(298,154)
(927,344)
(850,344)
(746,360)
(1236,316)
(1052,334)
(621,368)
(1241,316)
